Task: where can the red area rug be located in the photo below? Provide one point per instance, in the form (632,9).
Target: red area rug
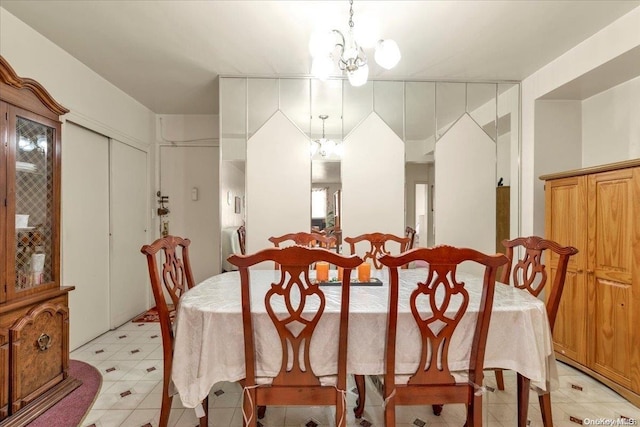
(151,315)
(72,409)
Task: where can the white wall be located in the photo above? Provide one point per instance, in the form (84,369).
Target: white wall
(614,40)
(558,146)
(94,103)
(611,125)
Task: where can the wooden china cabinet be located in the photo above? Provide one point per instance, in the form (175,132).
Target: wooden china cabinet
(34,310)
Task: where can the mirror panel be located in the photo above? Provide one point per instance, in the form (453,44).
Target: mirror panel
(420,107)
(450,105)
(358,104)
(482,106)
(262,98)
(233,116)
(388,102)
(295,102)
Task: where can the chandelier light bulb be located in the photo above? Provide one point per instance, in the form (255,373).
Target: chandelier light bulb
(387,54)
(359,76)
(321,67)
(321,43)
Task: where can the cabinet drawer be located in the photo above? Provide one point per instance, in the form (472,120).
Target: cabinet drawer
(39,352)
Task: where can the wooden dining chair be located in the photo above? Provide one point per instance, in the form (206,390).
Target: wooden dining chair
(376,244)
(448,299)
(172,277)
(304,301)
(411,234)
(530,273)
(242,237)
(304,239)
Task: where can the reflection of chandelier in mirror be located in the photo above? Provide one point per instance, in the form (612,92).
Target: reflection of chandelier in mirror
(350,56)
(323,146)
(28,144)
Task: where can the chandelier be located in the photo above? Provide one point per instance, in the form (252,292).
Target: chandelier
(327,47)
(323,146)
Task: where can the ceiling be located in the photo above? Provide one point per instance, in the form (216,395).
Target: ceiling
(168,54)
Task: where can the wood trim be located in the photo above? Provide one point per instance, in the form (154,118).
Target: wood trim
(9,77)
(593,169)
(33,299)
(40,405)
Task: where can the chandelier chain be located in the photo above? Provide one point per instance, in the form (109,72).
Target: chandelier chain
(351,14)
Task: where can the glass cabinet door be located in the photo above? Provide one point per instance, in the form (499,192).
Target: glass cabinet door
(33,181)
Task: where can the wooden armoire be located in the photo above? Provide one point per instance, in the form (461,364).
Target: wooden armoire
(597,330)
(34,309)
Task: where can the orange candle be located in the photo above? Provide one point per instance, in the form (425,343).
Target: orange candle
(364,272)
(322,271)
(340,272)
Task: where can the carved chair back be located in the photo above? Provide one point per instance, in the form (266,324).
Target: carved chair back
(411,234)
(377,245)
(304,239)
(242,237)
(447,300)
(171,275)
(530,272)
(295,304)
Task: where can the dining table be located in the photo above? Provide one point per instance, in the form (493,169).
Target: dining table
(209,341)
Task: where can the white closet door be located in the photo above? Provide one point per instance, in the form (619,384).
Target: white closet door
(189,176)
(129,288)
(85,231)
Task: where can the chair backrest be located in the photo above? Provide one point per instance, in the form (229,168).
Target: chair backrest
(411,234)
(530,272)
(377,245)
(174,278)
(304,239)
(242,236)
(304,306)
(448,299)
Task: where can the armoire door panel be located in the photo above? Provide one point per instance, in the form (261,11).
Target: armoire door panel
(563,222)
(613,332)
(613,221)
(569,332)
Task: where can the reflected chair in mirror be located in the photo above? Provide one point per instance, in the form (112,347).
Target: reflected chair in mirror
(530,273)
(242,237)
(304,239)
(171,276)
(410,233)
(377,246)
(295,305)
(438,304)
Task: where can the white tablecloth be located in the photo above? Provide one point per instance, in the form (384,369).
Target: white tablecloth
(209,344)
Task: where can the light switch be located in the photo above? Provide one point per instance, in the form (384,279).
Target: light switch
(194,194)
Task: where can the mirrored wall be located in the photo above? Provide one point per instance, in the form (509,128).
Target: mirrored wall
(257,114)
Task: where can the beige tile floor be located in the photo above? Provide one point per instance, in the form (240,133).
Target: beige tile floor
(130,360)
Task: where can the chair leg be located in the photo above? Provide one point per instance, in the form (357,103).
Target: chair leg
(545,409)
(390,413)
(249,408)
(360,385)
(437,409)
(165,409)
(204,421)
(499,379)
(341,410)
(523,400)
(474,412)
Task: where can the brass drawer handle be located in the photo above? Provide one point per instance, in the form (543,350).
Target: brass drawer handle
(44,342)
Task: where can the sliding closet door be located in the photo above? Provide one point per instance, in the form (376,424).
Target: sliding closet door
(129,277)
(85,231)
